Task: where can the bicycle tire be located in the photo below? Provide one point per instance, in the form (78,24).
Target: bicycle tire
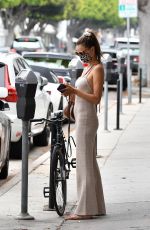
(58,177)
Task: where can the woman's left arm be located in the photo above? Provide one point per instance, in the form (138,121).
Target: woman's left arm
(98,80)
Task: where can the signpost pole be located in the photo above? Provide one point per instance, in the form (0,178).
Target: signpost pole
(128,9)
(128,63)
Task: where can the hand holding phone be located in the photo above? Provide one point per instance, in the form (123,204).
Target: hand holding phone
(61,88)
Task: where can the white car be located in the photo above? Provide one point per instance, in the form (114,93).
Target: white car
(57,100)
(5,131)
(10,66)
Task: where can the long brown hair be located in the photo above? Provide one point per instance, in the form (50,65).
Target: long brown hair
(89,39)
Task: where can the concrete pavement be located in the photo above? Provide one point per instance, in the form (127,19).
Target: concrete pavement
(124,160)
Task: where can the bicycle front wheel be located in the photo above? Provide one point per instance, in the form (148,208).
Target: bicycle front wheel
(59,184)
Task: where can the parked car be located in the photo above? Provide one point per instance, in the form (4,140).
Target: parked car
(57,100)
(10,66)
(4,49)
(122,42)
(114,71)
(27,43)
(134,58)
(5,135)
(57,61)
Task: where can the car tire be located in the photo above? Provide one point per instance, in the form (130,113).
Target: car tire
(16,150)
(4,171)
(42,139)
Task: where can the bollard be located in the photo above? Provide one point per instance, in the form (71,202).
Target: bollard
(118,106)
(140,86)
(121,89)
(107,61)
(105,105)
(24,215)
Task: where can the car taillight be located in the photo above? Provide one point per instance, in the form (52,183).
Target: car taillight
(13,50)
(136,59)
(12,93)
(61,79)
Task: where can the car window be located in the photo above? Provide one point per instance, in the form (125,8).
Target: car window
(19,44)
(20,64)
(45,72)
(25,64)
(2,75)
(55,79)
(49,62)
(16,67)
(113,55)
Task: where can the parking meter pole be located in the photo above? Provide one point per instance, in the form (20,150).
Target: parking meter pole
(140,86)
(121,86)
(24,186)
(105,105)
(118,106)
(128,63)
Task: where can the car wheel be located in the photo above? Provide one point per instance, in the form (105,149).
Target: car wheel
(42,139)
(16,150)
(4,171)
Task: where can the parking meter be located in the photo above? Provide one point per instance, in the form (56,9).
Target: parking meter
(26,83)
(107,62)
(121,63)
(76,68)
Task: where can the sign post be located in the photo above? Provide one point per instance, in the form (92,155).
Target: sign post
(128,9)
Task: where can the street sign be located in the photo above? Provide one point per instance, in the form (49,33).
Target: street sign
(127,8)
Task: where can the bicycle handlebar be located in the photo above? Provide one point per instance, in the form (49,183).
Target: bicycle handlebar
(52,120)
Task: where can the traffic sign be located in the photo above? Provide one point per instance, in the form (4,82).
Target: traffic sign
(127,8)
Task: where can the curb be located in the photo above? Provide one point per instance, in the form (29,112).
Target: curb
(17,178)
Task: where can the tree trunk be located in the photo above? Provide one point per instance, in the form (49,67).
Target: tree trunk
(144,32)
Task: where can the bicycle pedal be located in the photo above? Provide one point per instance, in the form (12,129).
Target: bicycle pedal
(73,162)
(46,192)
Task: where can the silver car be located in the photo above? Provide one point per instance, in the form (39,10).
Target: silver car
(5,131)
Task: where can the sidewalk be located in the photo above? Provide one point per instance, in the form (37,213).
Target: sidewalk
(123,156)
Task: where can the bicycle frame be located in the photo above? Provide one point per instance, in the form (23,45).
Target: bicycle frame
(57,140)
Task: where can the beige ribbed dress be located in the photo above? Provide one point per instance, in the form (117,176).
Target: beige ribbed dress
(89,186)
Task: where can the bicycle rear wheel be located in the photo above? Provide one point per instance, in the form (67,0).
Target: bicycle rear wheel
(59,184)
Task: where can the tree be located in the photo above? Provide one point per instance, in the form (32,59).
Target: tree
(86,13)
(15,12)
(144,32)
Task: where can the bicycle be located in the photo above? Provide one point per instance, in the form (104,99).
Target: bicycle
(60,166)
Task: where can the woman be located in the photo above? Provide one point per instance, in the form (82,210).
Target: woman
(88,92)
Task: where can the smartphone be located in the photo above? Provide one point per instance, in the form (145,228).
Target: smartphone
(61,88)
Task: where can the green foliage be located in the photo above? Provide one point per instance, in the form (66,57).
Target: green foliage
(103,11)
(9,3)
(100,10)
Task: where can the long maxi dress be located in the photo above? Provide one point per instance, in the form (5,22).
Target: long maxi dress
(89,185)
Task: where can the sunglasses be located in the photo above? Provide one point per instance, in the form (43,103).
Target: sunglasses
(81,53)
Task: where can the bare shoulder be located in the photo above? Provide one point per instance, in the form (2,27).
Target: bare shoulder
(98,70)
